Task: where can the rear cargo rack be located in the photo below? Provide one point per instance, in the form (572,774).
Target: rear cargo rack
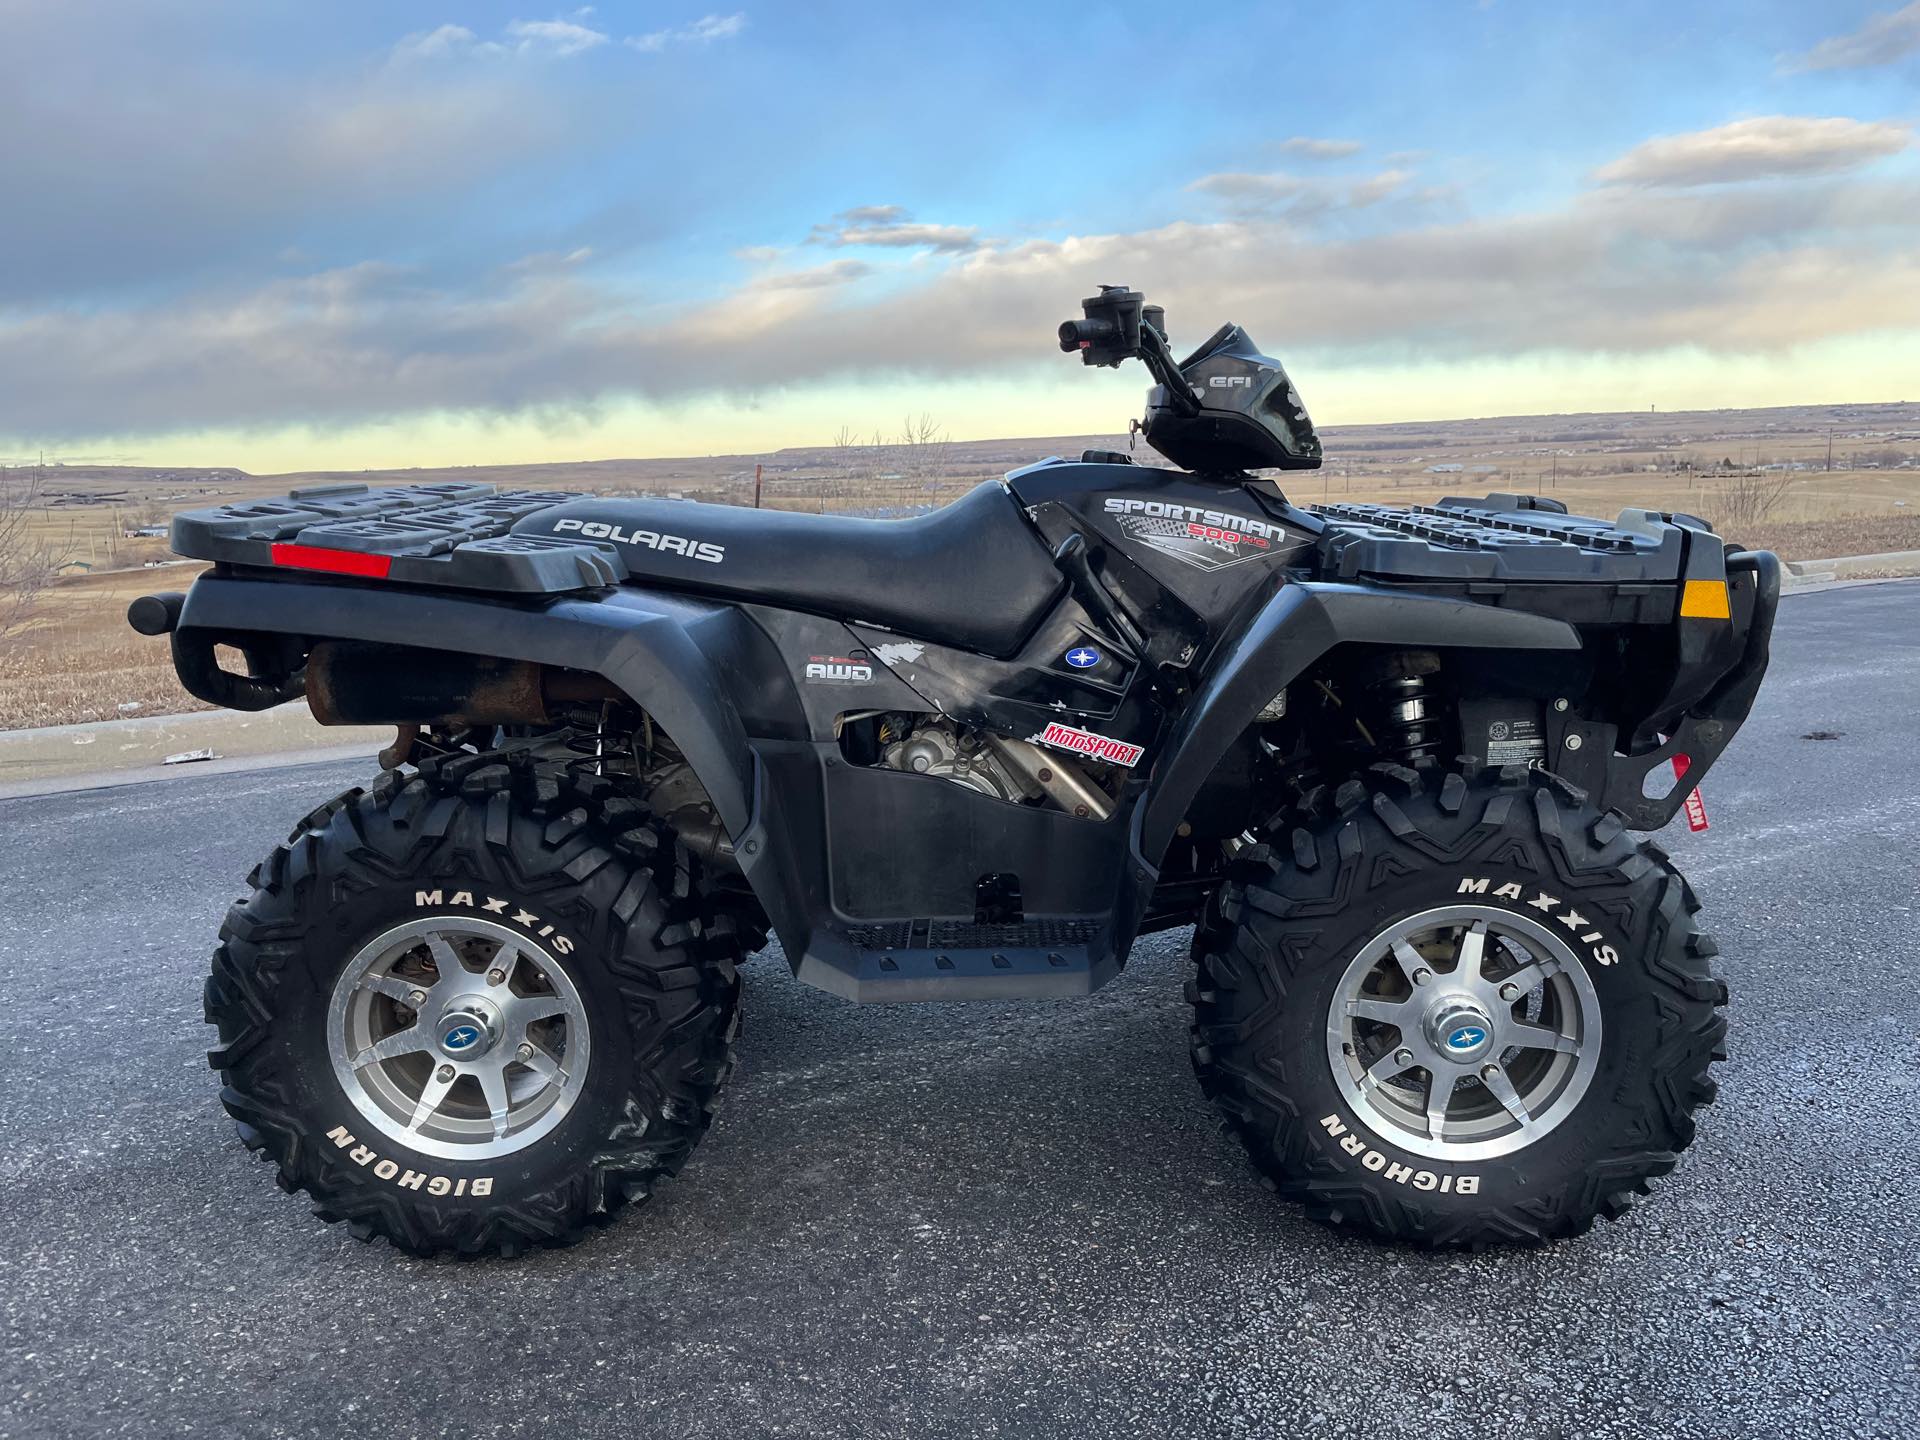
(1515,550)
(453,534)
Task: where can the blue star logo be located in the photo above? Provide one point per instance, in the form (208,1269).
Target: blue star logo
(1083,658)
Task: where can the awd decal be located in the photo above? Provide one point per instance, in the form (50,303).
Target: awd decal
(653,539)
(1204,539)
(492,905)
(1573,920)
(854,669)
(1371,1159)
(1085,742)
(364,1156)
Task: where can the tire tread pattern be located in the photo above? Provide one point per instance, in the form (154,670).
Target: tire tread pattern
(1257,945)
(506,817)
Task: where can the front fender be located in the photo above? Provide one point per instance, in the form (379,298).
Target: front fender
(1293,630)
(650,646)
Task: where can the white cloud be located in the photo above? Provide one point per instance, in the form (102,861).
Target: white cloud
(1309,148)
(893,227)
(1765,147)
(1881,41)
(558,38)
(436,44)
(834,272)
(1620,270)
(1299,196)
(704,31)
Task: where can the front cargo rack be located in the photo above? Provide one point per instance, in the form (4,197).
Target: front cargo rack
(1519,550)
(455,534)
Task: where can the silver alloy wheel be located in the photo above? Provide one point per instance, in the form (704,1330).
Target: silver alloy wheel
(1464,1033)
(458,1037)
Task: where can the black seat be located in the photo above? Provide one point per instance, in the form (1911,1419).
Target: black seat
(971,574)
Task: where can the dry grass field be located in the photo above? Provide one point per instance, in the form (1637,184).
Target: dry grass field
(1841,480)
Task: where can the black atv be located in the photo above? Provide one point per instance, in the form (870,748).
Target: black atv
(1384,760)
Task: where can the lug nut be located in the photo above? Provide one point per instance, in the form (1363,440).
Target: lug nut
(496,977)
(1488,1072)
(1422,976)
(1509,991)
(445,1072)
(417,999)
(525,1052)
(1403,1056)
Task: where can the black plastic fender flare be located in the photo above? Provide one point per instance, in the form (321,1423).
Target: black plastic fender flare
(1293,630)
(647,645)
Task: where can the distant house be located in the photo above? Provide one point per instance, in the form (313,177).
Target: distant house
(1445,469)
(73,567)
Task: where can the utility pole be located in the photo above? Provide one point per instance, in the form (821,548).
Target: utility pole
(1829,449)
(756,485)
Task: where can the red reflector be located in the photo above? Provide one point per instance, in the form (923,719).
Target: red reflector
(334,562)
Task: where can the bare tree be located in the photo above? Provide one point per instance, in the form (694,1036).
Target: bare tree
(1748,497)
(923,450)
(26,563)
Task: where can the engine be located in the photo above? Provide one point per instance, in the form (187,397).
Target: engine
(1007,769)
(963,756)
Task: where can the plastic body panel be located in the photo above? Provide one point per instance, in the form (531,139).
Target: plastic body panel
(874,878)
(1294,629)
(664,651)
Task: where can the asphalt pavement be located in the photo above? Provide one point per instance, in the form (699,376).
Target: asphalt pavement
(990,1219)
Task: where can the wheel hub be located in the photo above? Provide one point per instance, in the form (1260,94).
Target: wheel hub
(1459,1029)
(1464,1033)
(458,1037)
(469,1029)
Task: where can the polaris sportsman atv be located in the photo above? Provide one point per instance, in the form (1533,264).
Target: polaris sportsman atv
(1384,760)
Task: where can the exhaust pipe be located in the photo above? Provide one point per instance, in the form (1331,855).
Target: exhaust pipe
(353,683)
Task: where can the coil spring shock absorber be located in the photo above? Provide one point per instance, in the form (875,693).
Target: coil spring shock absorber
(1399,706)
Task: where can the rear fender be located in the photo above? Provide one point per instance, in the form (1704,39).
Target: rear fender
(655,649)
(1292,631)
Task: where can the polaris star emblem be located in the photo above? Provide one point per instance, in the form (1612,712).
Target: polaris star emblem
(1085,742)
(1467,1037)
(460,1037)
(1083,658)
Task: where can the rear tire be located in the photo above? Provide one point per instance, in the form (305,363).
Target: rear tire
(1326,1061)
(627,1030)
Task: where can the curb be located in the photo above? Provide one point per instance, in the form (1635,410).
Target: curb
(85,756)
(169,774)
(1889,565)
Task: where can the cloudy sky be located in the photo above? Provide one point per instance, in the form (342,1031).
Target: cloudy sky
(285,235)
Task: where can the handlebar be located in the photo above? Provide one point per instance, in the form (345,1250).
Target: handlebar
(1120,325)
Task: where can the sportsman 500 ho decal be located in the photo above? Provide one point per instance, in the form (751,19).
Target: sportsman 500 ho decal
(1205,539)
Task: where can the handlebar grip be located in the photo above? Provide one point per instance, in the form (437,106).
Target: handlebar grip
(1079,334)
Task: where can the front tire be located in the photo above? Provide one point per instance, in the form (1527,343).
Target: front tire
(476,1009)
(1457,1012)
